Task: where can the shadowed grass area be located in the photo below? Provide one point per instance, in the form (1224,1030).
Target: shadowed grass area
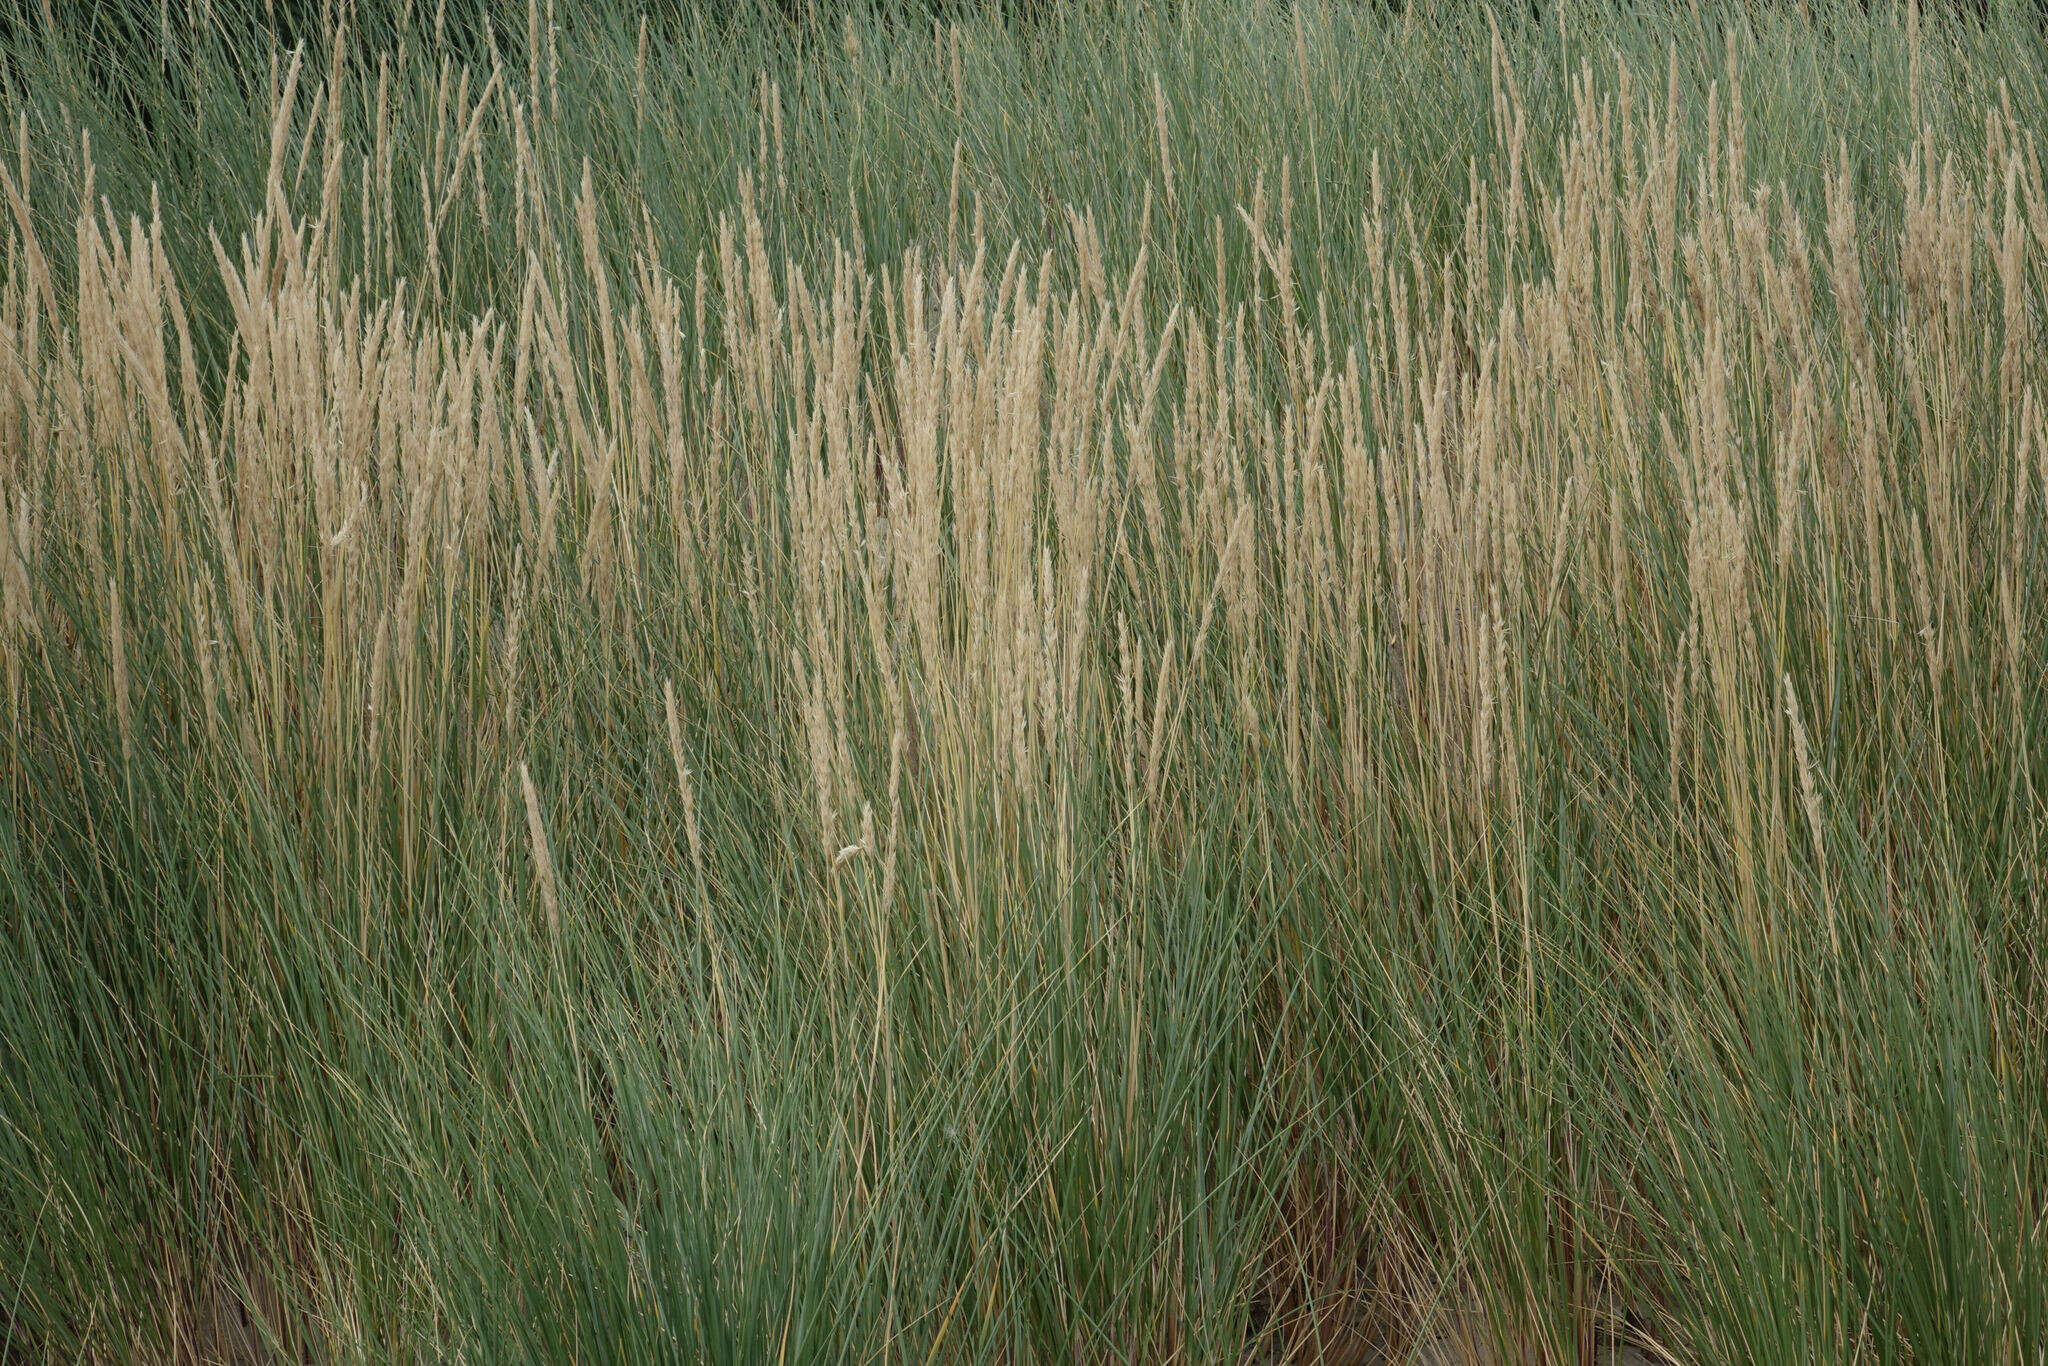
(1187,683)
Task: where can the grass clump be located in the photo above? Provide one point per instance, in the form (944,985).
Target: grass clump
(1169,684)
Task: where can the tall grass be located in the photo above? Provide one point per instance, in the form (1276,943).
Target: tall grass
(1198,685)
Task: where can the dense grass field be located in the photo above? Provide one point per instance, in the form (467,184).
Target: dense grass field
(1188,682)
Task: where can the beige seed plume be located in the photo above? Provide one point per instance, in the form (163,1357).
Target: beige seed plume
(1809,788)
(543,861)
(683,774)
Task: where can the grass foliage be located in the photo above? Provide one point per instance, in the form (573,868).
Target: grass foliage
(1193,683)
